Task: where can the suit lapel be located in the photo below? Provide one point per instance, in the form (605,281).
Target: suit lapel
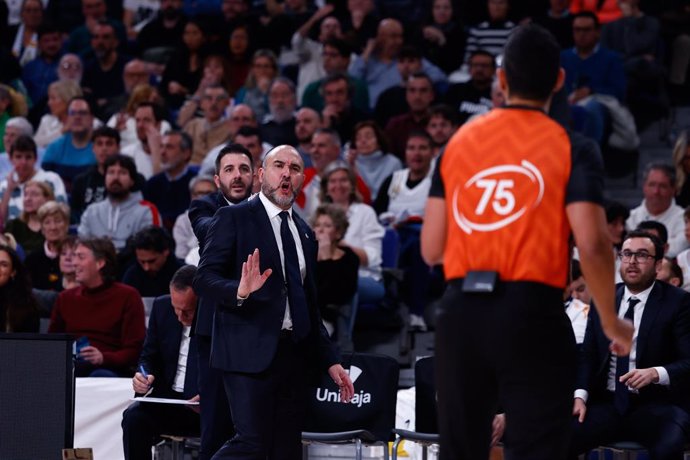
(651,310)
(603,366)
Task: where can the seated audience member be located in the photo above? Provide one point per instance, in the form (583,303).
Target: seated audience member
(616,215)
(109,314)
(212,129)
(43,264)
(169,361)
(169,190)
(122,213)
(70,69)
(336,59)
(52,124)
(442,36)
(307,121)
(419,93)
(148,118)
(183,234)
(339,112)
(669,272)
(558,19)
(325,150)
(23,155)
(473,96)
(401,202)
(681,161)
(125,119)
(254,93)
(165,29)
(155,261)
(93,12)
(683,259)
(72,153)
(490,35)
(657,229)
(67,268)
(136,73)
(392,101)
(23,36)
(641,398)
(658,188)
(442,124)
(12,104)
(216,73)
(15,127)
(368,156)
(278,126)
(591,69)
(18,307)
(26,228)
(364,234)
(337,266)
(577,306)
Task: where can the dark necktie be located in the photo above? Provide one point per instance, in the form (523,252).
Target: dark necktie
(293,281)
(621,396)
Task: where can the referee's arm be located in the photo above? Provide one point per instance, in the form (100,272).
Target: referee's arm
(434,231)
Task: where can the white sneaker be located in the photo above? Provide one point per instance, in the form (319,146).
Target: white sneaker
(417,323)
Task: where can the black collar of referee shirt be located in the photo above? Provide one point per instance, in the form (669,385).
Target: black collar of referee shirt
(523,107)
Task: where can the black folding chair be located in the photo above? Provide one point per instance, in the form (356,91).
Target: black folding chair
(368,419)
(426,425)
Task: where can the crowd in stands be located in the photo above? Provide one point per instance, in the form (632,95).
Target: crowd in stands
(113,113)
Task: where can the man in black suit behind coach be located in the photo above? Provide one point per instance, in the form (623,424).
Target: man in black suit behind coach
(258,265)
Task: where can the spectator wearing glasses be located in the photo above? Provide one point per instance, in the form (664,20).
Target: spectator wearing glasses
(72,153)
(212,129)
(642,397)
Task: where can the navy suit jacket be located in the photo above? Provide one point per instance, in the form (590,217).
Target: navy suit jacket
(245,338)
(162,349)
(663,340)
(201,214)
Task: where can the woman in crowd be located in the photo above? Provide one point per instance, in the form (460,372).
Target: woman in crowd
(18,308)
(216,71)
(364,233)
(368,157)
(184,70)
(240,48)
(254,93)
(442,38)
(27,228)
(124,121)
(52,124)
(67,268)
(44,264)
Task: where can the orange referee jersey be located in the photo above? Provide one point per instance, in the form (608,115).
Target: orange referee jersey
(505,177)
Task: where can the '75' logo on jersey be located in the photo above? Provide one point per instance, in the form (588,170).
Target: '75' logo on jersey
(498,204)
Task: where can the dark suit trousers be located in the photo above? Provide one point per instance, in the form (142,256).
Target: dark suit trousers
(216,420)
(268,408)
(661,428)
(143,423)
(514,351)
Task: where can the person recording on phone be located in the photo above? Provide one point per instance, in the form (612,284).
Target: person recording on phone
(167,369)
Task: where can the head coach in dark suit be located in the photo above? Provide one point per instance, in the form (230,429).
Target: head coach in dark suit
(234,178)
(169,362)
(643,397)
(258,264)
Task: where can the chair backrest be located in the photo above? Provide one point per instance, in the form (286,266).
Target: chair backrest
(390,248)
(375,378)
(425,396)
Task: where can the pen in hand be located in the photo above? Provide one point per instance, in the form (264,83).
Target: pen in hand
(145,374)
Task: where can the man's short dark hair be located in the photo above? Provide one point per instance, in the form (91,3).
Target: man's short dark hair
(658,245)
(532,60)
(152,238)
(422,134)
(106,131)
(481,52)
(341,46)
(123,161)
(158,112)
(237,149)
(186,142)
(80,98)
(47,27)
(338,76)
(183,278)
(588,15)
(420,74)
(249,131)
(24,143)
(410,52)
(653,225)
(575,270)
(103,249)
(615,210)
(665,168)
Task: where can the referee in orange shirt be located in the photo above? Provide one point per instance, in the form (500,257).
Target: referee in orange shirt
(506,194)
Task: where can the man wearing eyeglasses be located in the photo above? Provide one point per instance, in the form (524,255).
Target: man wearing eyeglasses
(212,129)
(643,397)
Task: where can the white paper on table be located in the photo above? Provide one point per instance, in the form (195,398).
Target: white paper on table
(166,401)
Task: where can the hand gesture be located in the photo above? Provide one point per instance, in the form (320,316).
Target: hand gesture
(342,379)
(92,355)
(434,35)
(498,426)
(252,279)
(579,409)
(324,11)
(638,378)
(176,88)
(141,384)
(620,333)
